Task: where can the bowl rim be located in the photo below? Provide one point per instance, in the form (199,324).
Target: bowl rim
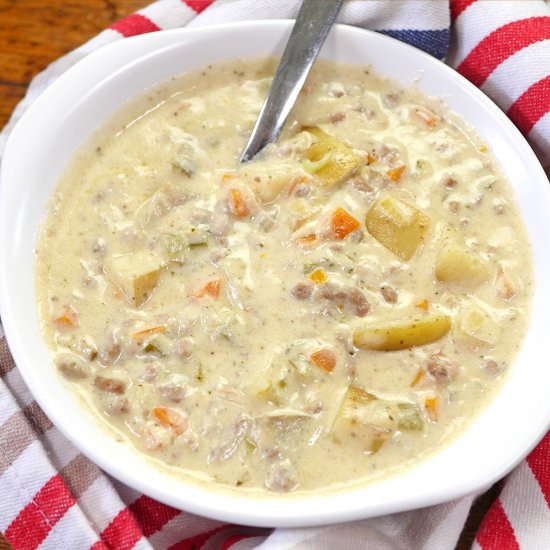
(227,507)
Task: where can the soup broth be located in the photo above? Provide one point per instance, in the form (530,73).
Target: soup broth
(331,312)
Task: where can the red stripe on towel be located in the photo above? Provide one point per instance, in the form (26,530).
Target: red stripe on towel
(458,6)
(123,532)
(496,531)
(539,462)
(134,24)
(39,517)
(500,45)
(530,107)
(151,514)
(198,5)
(195,542)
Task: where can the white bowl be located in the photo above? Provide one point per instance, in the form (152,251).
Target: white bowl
(66,113)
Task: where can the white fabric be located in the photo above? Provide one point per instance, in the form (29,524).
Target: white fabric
(485,17)
(521,492)
(433,528)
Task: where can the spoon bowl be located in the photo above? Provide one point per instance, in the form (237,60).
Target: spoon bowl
(309,33)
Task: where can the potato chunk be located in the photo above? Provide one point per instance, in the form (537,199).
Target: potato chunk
(475,327)
(354,399)
(363,421)
(270,177)
(331,160)
(401,334)
(455,264)
(136,274)
(397,225)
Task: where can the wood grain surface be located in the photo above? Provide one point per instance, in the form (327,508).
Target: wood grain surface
(4,544)
(33,33)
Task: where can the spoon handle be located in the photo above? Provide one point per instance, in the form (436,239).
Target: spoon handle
(312,26)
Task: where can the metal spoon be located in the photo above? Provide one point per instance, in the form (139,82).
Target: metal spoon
(312,26)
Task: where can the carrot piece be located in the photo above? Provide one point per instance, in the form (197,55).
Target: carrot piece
(141,335)
(307,240)
(211,288)
(423,305)
(227,177)
(171,419)
(395,173)
(418,378)
(67,317)
(371,158)
(324,359)
(431,405)
(237,204)
(318,276)
(343,223)
(483,148)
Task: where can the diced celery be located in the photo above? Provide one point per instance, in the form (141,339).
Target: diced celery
(227,325)
(176,247)
(409,417)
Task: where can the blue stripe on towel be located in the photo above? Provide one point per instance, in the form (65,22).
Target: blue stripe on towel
(435,43)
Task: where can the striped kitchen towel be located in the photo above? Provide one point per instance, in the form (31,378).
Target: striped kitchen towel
(53,497)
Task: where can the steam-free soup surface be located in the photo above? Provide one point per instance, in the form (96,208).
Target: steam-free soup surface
(331,312)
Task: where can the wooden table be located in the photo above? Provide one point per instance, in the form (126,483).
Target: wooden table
(33,33)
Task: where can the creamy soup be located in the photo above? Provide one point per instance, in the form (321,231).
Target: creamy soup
(327,314)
